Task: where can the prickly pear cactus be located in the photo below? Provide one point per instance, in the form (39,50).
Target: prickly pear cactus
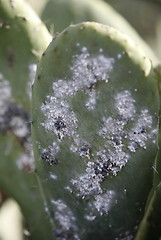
(58,14)
(20,28)
(148,24)
(95,120)
(23,39)
(37,5)
(149,227)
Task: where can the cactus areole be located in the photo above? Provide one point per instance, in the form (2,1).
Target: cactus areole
(95,121)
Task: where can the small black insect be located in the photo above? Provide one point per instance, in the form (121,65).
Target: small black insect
(121,118)
(116,140)
(103,169)
(141,130)
(59,124)
(134,145)
(97,169)
(92,86)
(47,156)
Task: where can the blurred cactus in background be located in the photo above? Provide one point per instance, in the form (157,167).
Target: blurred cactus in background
(79,119)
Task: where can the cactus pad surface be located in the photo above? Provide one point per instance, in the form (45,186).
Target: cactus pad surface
(58,14)
(95,122)
(23,39)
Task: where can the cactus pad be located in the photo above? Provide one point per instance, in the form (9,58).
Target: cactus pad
(95,121)
(23,39)
(58,14)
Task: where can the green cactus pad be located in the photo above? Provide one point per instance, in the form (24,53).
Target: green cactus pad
(150,224)
(38,6)
(24,36)
(149,227)
(148,24)
(60,13)
(23,40)
(95,121)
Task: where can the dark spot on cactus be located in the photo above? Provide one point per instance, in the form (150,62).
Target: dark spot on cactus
(116,140)
(103,170)
(97,169)
(120,118)
(141,130)
(10,57)
(32,122)
(59,124)
(22,18)
(134,145)
(84,151)
(92,86)
(47,156)
(43,54)
(38,77)
(84,148)
(55,49)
